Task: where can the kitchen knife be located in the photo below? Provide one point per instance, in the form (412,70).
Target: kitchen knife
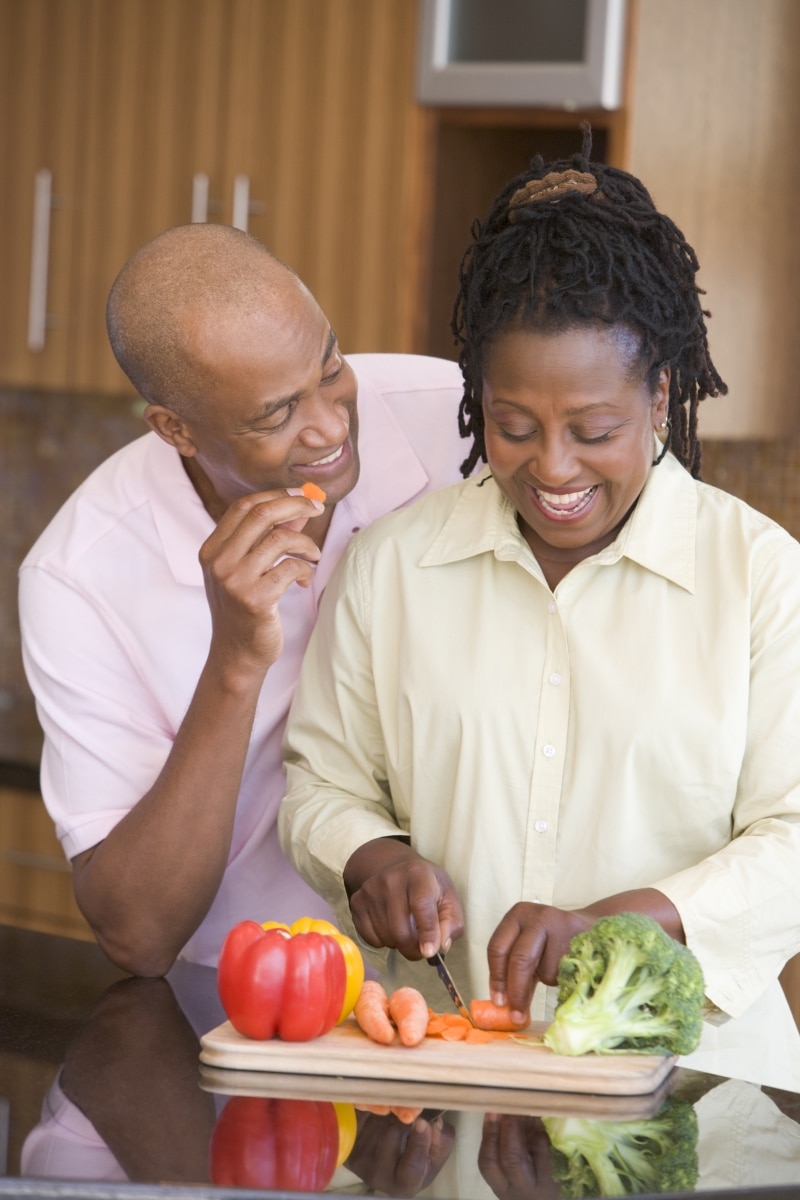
(447,979)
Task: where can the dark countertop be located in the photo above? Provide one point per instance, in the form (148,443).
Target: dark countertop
(102,1094)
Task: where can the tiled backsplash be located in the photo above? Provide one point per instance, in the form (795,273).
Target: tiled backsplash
(49,442)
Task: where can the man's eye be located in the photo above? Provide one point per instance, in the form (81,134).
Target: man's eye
(284,419)
(335,372)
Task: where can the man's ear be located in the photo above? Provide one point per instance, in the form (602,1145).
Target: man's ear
(172,428)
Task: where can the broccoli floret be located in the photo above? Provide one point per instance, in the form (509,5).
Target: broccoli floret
(624,1158)
(627,987)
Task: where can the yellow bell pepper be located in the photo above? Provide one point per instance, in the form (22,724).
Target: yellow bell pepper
(348,1127)
(352,955)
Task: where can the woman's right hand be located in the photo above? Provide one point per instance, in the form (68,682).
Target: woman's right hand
(401,901)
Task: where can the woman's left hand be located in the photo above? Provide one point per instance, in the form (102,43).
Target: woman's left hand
(527,946)
(530,941)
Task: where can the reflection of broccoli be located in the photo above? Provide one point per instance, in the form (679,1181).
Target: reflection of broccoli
(627,987)
(625,1158)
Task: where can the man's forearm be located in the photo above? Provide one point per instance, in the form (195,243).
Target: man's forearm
(146,888)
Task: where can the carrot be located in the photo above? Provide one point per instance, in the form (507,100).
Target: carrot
(372,1012)
(456,1033)
(409,1011)
(478,1037)
(312,492)
(436,1027)
(407,1115)
(487,1015)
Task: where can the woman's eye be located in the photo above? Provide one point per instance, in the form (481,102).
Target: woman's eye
(592,440)
(515,435)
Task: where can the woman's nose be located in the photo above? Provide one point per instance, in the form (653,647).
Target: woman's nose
(553,461)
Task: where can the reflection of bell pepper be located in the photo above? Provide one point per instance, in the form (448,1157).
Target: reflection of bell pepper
(276,1144)
(352,955)
(276,984)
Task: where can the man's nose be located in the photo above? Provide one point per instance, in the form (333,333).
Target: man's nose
(328,420)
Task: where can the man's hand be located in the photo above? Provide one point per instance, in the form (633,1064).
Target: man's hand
(401,901)
(256,552)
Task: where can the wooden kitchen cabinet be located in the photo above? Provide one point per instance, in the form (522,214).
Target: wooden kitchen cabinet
(119,101)
(36,879)
(304,108)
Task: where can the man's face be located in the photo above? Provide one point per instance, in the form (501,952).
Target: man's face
(279,409)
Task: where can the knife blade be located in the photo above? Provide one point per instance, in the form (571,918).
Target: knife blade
(437,961)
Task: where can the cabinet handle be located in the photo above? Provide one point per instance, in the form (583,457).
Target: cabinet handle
(40,254)
(199,198)
(241,201)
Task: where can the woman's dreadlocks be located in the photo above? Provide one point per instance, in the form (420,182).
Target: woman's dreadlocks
(570,243)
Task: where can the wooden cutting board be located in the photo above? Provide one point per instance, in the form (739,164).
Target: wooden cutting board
(503,1063)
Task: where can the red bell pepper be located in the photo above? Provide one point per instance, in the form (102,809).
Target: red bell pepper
(277,1144)
(273,984)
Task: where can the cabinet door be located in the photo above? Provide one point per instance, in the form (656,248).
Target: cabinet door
(320,122)
(157,73)
(43,98)
(122,103)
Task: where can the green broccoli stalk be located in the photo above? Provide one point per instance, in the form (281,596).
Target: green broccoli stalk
(624,1158)
(627,987)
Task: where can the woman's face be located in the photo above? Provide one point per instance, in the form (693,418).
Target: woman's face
(569,423)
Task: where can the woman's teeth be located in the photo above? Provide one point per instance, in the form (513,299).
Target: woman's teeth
(321,462)
(572,502)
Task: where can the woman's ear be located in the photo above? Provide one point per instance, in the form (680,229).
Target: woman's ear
(661,398)
(172,428)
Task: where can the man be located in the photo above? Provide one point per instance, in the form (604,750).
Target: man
(166,608)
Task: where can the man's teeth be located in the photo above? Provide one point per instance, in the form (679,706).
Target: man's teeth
(571,502)
(331,458)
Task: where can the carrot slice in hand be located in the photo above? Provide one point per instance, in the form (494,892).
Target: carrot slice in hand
(372,1012)
(409,1011)
(312,492)
(490,1016)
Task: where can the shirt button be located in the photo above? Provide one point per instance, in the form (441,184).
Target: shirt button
(548,751)
(555,679)
(540,826)
(552,607)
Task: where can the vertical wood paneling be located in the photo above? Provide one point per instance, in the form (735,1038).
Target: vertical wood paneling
(715,112)
(321,113)
(42,121)
(158,70)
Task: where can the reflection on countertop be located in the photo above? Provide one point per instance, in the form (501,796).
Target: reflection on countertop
(103,1084)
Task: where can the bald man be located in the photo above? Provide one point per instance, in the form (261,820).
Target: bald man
(165,609)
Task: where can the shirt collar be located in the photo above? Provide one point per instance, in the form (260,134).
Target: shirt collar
(390,476)
(660,534)
(181,520)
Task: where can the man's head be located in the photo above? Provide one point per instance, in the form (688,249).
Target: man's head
(238,364)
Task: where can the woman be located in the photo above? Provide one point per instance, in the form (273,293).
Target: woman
(569,685)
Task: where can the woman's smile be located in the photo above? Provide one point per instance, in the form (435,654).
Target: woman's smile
(570,506)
